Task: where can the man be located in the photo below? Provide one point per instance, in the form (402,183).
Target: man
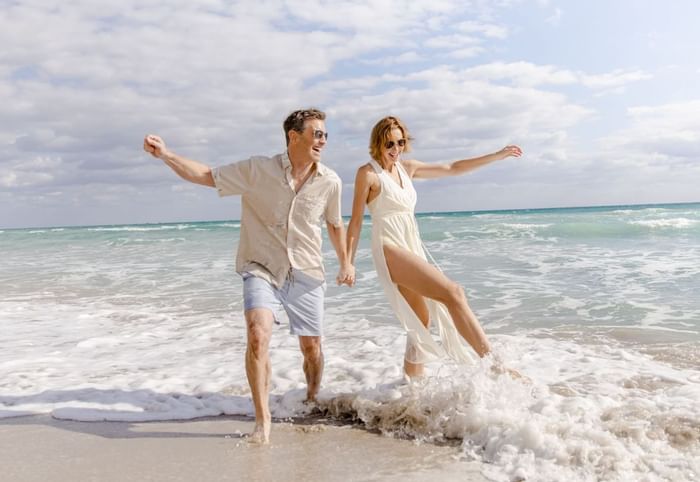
(284,199)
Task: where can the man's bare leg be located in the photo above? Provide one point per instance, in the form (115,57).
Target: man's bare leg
(313,364)
(257,365)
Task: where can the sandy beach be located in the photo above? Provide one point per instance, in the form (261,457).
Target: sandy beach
(41,448)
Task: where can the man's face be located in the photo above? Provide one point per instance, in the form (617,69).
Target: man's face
(311,141)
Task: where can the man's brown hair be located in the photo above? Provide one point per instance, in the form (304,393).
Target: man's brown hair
(297,120)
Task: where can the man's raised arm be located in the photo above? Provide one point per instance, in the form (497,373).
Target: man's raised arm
(187,169)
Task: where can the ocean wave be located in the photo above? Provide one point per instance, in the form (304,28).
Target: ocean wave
(538,432)
(674,223)
(619,229)
(125,241)
(141,228)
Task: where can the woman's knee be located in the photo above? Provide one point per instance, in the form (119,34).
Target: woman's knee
(454,294)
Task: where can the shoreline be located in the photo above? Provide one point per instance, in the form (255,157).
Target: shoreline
(39,447)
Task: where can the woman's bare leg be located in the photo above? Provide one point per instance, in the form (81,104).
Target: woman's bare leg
(420,308)
(412,272)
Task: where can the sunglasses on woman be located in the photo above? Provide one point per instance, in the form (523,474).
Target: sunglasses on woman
(390,144)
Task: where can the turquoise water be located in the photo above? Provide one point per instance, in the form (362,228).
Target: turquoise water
(620,266)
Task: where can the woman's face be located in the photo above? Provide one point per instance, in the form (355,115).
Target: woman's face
(393,145)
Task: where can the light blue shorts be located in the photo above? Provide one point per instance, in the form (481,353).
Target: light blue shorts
(301,297)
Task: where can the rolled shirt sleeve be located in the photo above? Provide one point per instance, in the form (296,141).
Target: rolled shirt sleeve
(236,178)
(332,211)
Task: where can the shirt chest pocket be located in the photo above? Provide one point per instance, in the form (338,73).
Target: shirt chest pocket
(310,207)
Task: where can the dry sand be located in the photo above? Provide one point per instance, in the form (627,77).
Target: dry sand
(40,448)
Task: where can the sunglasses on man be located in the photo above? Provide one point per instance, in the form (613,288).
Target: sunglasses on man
(319,134)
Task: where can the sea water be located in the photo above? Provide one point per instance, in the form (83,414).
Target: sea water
(598,307)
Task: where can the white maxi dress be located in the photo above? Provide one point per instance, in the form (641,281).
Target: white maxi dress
(394,223)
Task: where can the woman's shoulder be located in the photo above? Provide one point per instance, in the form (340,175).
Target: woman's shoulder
(366,173)
(366,169)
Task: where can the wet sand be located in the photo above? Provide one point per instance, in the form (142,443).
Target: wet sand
(41,448)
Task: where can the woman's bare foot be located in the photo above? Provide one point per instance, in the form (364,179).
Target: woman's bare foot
(413,370)
(514,374)
(261,434)
(499,368)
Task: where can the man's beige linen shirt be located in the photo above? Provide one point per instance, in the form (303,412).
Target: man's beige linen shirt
(280,229)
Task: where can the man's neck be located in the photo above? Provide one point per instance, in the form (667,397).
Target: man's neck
(300,166)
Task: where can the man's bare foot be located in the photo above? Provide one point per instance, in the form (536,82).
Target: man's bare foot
(261,434)
(311,406)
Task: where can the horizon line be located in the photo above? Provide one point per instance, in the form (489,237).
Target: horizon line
(422,213)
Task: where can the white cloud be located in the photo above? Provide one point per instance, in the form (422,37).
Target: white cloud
(522,73)
(667,134)
(403,58)
(616,78)
(14,178)
(555,18)
(529,74)
(451,41)
(487,29)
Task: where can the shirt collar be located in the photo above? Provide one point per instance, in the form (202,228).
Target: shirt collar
(319,168)
(286,163)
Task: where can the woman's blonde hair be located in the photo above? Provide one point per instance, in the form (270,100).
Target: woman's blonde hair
(380,134)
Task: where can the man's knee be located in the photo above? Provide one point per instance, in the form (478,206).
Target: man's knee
(259,328)
(311,347)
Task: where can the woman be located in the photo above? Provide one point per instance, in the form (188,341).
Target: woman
(418,291)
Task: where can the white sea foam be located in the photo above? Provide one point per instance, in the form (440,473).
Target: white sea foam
(600,409)
(677,223)
(166,227)
(526,226)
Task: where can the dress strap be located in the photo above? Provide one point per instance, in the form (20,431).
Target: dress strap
(375,165)
(403,175)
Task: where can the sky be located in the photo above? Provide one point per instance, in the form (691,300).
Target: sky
(602,96)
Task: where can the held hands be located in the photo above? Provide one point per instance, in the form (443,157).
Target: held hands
(509,151)
(154,145)
(346,275)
